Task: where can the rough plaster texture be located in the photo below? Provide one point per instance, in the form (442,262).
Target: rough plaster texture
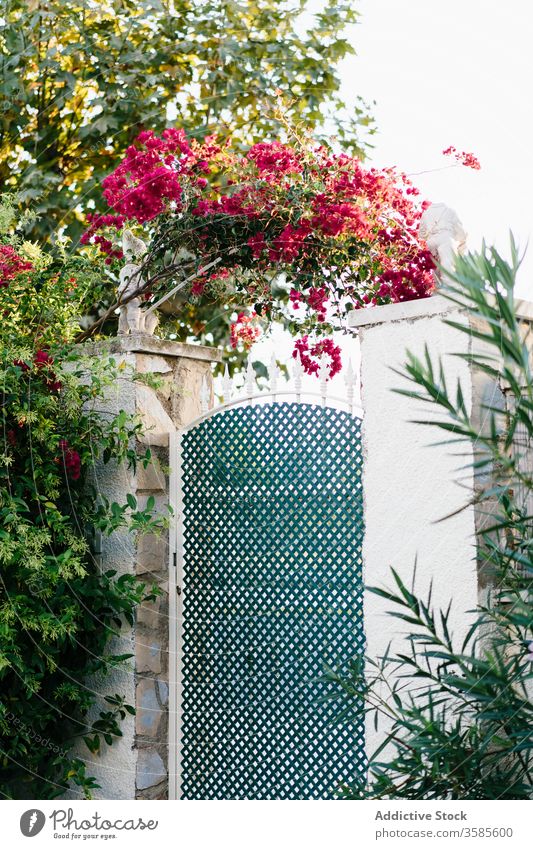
(136,765)
(411,484)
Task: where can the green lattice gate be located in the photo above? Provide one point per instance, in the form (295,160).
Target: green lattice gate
(270,572)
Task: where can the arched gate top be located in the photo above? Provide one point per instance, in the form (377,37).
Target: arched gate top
(247,393)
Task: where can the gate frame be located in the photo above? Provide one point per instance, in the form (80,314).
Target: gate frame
(175,559)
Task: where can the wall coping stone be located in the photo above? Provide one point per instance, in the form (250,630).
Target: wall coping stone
(421,308)
(142,343)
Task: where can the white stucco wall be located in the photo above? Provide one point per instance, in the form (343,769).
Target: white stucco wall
(409,483)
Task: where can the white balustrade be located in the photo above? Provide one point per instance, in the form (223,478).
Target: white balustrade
(243,387)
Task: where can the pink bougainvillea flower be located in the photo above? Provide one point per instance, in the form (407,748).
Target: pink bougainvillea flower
(272,158)
(463,158)
(91,236)
(54,385)
(21,364)
(257,244)
(324,346)
(71,460)
(245,330)
(11,265)
(44,361)
(344,235)
(317,300)
(295,297)
(146,181)
(288,246)
(198,286)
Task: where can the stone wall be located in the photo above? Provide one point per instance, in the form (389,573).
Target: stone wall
(136,765)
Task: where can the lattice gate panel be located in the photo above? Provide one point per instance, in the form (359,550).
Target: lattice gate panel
(271,549)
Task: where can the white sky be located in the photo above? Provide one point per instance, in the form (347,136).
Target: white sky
(455,73)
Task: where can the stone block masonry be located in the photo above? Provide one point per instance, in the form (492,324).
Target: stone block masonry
(162,384)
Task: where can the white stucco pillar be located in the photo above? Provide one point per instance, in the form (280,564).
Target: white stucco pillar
(412,483)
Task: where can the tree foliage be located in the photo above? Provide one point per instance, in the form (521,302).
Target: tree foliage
(80,79)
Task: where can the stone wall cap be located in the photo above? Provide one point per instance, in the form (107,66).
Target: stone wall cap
(145,344)
(405,311)
(524,310)
(421,308)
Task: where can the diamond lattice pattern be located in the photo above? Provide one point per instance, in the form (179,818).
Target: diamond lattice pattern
(272,535)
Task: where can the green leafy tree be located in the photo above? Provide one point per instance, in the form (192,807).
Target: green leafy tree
(58,610)
(461,714)
(80,79)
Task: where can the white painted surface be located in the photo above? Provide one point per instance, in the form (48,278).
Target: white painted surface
(411,310)
(410,484)
(441,228)
(174,616)
(435,305)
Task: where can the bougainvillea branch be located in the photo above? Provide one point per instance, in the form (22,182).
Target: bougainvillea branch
(462,157)
(142,290)
(298,229)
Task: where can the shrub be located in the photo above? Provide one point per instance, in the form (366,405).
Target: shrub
(58,611)
(291,231)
